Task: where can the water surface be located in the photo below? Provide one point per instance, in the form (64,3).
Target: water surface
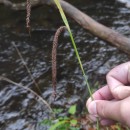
(18,108)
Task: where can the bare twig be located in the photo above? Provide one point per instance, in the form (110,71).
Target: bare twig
(28,89)
(28,70)
(54,52)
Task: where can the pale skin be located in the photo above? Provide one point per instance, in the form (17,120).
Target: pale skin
(112,102)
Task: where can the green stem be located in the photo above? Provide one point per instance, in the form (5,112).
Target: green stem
(97,126)
(80,63)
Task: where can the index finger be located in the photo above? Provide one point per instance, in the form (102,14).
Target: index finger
(119,77)
(103,93)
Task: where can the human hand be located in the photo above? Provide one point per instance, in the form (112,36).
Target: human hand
(112,102)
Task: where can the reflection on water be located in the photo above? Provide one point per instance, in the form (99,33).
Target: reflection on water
(18,108)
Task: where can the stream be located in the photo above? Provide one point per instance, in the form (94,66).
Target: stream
(18,108)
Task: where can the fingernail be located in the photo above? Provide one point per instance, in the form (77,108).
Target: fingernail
(92,108)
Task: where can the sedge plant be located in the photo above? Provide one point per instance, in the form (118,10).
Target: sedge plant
(61,123)
(65,122)
(76,51)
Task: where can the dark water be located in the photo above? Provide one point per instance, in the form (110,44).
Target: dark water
(18,108)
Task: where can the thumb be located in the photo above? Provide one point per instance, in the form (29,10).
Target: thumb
(106,109)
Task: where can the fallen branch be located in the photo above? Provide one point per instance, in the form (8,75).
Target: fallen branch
(97,29)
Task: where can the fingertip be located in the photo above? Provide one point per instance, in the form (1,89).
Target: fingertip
(88,102)
(92,108)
